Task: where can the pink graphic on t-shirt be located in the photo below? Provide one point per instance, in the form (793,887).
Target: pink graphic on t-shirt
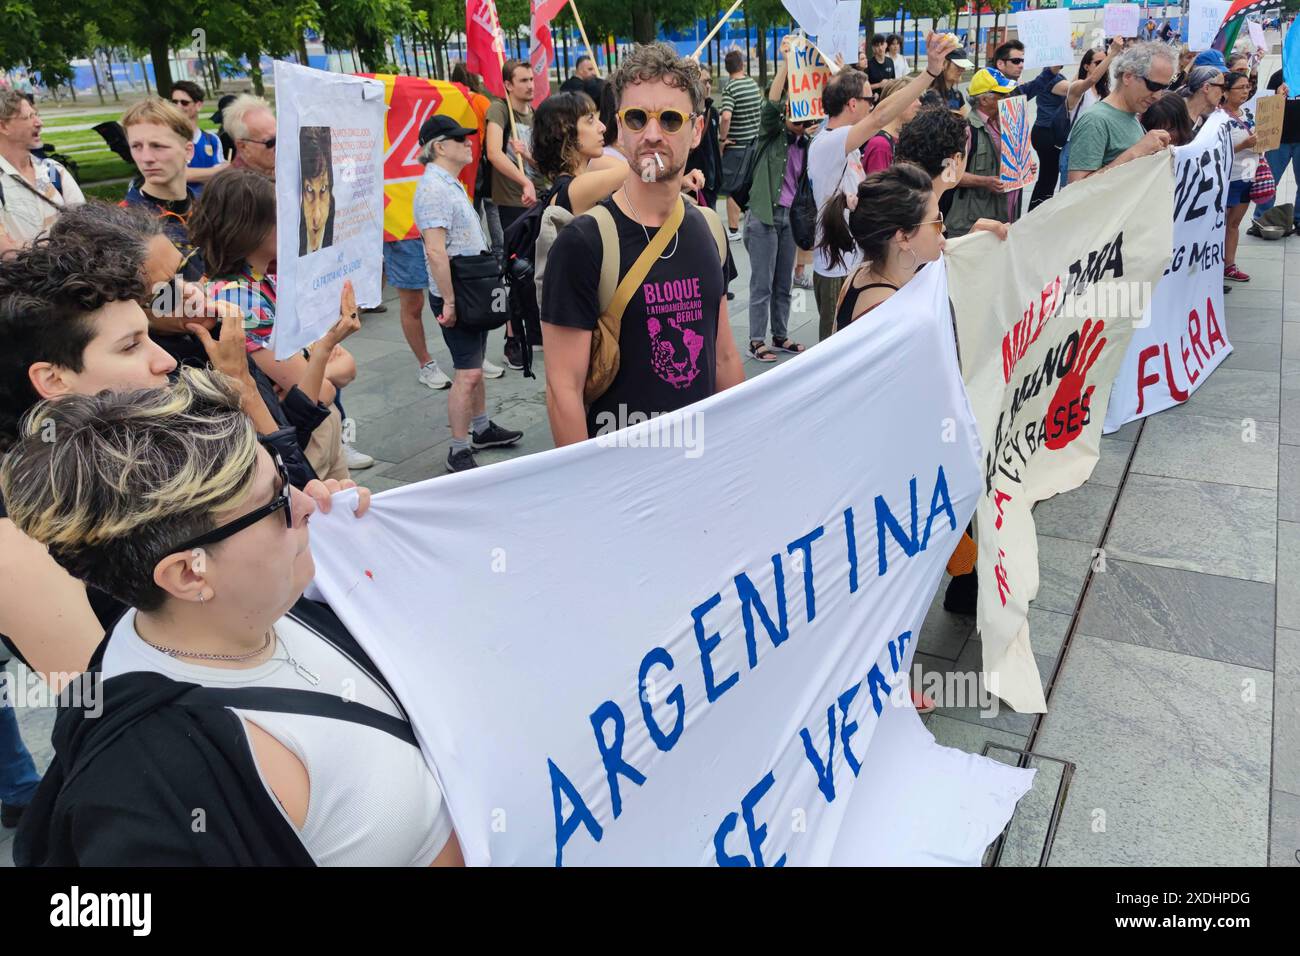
(672,307)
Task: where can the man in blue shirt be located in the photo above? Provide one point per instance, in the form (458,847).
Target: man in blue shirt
(209,158)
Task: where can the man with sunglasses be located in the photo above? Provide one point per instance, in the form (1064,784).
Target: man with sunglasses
(209,158)
(674,339)
(1110,133)
(251,124)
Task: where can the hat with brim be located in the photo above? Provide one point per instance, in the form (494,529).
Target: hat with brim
(440,126)
(989,80)
(961,58)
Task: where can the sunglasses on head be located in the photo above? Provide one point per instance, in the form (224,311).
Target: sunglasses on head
(280,502)
(670,121)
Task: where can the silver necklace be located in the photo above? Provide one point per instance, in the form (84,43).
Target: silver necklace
(174,652)
(636,217)
(302,670)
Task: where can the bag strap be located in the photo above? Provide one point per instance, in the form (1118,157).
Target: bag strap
(644,262)
(312,703)
(719,235)
(610,254)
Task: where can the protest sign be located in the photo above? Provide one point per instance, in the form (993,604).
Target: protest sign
(1046,36)
(1120,20)
(1204,18)
(1182,337)
(1257,36)
(814,16)
(329,197)
(807,76)
(840,35)
(411,100)
(608,661)
(1017,168)
(1043,321)
(1269,111)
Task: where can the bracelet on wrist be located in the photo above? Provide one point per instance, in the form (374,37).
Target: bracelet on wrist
(933,75)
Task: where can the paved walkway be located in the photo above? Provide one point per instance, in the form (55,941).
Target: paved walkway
(1173,675)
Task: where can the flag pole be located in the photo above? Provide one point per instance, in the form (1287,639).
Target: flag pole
(585,42)
(498,43)
(716,27)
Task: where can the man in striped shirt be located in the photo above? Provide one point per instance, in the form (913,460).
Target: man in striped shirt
(742,102)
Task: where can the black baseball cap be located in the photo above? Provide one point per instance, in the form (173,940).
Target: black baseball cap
(440,126)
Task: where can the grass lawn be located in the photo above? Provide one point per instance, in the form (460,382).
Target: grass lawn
(95,161)
(111,193)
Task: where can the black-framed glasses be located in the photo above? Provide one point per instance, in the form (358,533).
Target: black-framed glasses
(282,501)
(670,121)
(1155,87)
(268,143)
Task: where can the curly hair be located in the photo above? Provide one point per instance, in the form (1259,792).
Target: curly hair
(658,61)
(555,132)
(131,477)
(48,293)
(931,138)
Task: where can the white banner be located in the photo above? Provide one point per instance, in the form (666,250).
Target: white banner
(1042,338)
(329,197)
(1046,36)
(1182,336)
(1120,19)
(814,16)
(1204,18)
(608,660)
(840,34)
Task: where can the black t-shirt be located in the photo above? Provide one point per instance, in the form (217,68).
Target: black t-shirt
(1290,113)
(878,72)
(668,339)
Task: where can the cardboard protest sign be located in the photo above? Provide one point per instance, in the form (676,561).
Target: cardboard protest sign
(1182,336)
(1204,18)
(1017,168)
(1120,19)
(1269,112)
(674,683)
(329,193)
(807,75)
(1046,36)
(1042,339)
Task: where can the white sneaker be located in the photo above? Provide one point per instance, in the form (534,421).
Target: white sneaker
(492,371)
(433,376)
(357,460)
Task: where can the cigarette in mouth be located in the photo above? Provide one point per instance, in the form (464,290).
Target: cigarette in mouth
(659,161)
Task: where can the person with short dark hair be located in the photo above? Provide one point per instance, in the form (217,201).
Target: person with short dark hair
(742,101)
(935,140)
(1169,113)
(584,69)
(209,157)
(880,68)
(894,50)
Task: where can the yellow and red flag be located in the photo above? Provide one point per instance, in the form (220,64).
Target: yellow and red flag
(411,100)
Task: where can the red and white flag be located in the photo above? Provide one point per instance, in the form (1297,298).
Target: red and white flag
(541,48)
(484,44)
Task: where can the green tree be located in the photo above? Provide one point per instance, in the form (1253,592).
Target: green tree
(364,25)
(249,33)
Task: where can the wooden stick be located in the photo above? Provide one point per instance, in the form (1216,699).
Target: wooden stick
(498,44)
(585,42)
(716,27)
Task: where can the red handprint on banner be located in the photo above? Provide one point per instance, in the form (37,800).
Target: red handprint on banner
(1000,572)
(1068,411)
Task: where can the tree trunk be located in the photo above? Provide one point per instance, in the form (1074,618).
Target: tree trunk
(144,70)
(869,21)
(643,22)
(255,71)
(562,59)
(303,58)
(94,71)
(162,68)
(748,56)
(916,41)
(979,16)
(112,81)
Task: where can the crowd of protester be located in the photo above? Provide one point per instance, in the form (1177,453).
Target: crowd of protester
(137,333)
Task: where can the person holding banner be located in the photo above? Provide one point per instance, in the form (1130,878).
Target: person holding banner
(1244,160)
(1169,113)
(1203,93)
(834,158)
(1110,134)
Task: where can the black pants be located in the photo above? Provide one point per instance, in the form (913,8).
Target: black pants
(1049,164)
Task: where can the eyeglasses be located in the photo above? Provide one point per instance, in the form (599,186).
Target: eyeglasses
(268,143)
(282,501)
(182,102)
(1155,87)
(937,223)
(670,121)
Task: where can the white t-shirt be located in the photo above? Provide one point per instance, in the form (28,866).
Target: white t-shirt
(901,65)
(24,215)
(829,170)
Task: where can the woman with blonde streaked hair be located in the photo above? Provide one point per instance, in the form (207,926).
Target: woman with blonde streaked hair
(221,685)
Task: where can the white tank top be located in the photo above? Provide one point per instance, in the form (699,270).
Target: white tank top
(372,799)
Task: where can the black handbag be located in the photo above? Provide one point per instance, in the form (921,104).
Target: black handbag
(482,291)
(739,185)
(803,211)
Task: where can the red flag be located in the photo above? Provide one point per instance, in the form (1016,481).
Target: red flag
(484,45)
(541,53)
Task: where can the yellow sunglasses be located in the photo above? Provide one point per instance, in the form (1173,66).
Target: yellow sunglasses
(670,121)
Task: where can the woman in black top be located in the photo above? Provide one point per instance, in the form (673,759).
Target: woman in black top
(569,150)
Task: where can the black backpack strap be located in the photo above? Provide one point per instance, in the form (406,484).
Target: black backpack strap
(312,703)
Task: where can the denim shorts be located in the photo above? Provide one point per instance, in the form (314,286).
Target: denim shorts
(468,347)
(1239,191)
(404,264)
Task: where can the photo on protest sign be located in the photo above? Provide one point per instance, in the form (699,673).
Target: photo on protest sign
(1204,18)
(329,199)
(742,699)
(316,178)
(1120,19)
(1017,168)
(807,76)
(1044,321)
(1046,36)
(1182,337)
(1269,112)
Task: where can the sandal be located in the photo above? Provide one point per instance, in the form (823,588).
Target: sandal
(788,345)
(759,350)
